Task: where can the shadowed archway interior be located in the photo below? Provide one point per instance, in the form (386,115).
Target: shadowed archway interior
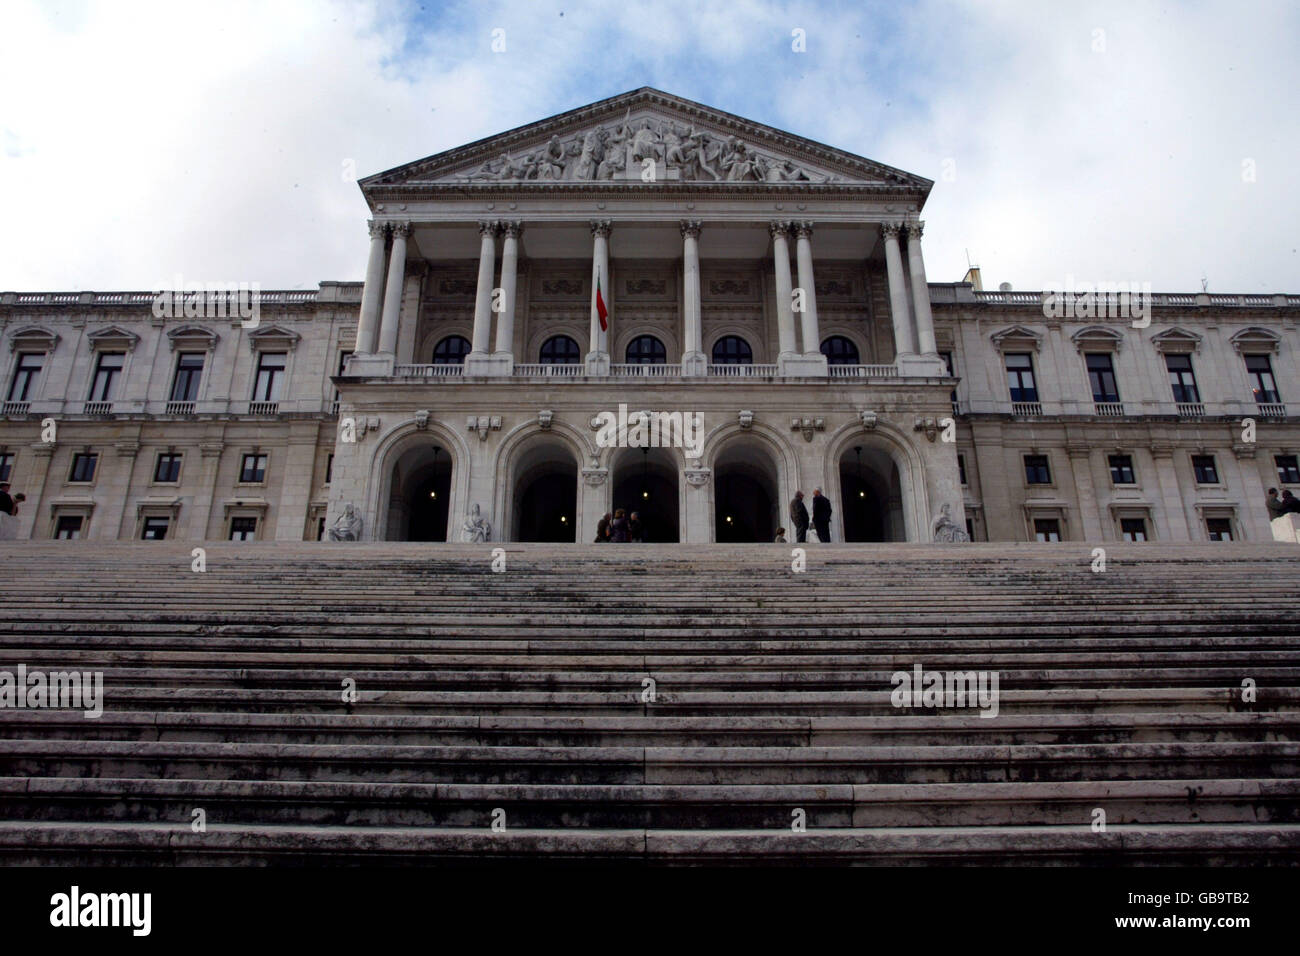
(746,500)
(545,493)
(871,500)
(645,481)
(420,494)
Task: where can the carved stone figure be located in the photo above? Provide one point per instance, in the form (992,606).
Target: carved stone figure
(347,527)
(476,528)
(945,530)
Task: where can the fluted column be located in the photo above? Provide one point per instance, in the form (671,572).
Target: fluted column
(487,253)
(920,292)
(598,356)
(904,340)
(694,361)
(509,279)
(803,253)
(393,290)
(784,286)
(372,292)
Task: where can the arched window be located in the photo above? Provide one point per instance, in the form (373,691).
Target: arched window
(451,350)
(646,350)
(840,351)
(732,350)
(560,350)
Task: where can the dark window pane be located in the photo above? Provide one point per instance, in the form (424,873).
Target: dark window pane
(451,350)
(560,350)
(732,350)
(840,350)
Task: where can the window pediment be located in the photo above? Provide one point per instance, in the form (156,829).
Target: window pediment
(1017,338)
(1097,338)
(33,338)
(113,339)
(1255,339)
(272,339)
(1176,342)
(192,338)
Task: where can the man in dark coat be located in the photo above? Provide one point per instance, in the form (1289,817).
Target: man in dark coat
(821,516)
(1276,506)
(799,517)
(6,502)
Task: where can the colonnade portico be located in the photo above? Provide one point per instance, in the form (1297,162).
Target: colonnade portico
(798,348)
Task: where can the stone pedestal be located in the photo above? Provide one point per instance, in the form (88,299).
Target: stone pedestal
(496,364)
(695,364)
(1287,528)
(371,365)
(597,363)
(924,366)
(805,366)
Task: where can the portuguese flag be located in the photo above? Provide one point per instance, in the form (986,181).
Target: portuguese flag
(601,311)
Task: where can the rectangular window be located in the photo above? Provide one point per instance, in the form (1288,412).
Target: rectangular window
(1219,529)
(189,372)
(83,466)
(253,471)
(1101,374)
(155,529)
(970,529)
(1047,529)
(961,468)
(1204,468)
(168,467)
(270,377)
(320,529)
(1133,529)
(329,469)
(1288,470)
(28,370)
(6,466)
(107,369)
(68,527)
(343,362)
(1020,377)
(243,529)
(1182,379)
(1121,470)
(947,361)
(1037,471)
(1260,372)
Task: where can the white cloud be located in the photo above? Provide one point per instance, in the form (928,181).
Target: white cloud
(142,140)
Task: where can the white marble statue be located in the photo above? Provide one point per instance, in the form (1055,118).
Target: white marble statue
(476,528)
(946,530)
(347,527)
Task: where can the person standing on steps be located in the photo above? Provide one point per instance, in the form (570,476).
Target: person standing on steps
(1276,506)
(635,530)
(618,527)
(821,516)
(8,513)
(1290,503)
(780,536)
(799,517)
(602,528)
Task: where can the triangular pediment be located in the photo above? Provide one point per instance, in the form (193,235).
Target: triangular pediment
(647,137)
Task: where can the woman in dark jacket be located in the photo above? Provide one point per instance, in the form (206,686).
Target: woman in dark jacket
(602,528)
(618,527)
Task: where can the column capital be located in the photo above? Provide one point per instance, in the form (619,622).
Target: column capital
(691,227)
(914,229)
(513,229)
(890,230)
(601,228)
(778,227)
(488,227)
(376,228)
(402,229)
(803,229)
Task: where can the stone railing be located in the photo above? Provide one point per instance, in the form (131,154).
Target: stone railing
(863,371)
(1166,299)
(428,371)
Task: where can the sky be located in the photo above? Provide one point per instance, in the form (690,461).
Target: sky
(1084,142)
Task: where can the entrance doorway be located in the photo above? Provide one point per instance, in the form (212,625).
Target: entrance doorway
(545,493)
(645,481)
(746,499)
(420,494)
(871,500)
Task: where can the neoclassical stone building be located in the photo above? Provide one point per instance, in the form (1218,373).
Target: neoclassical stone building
(768,287)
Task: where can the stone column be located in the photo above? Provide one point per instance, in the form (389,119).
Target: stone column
(694,361)
(372,291)
(1171,497)
(598,356)
(505,350)
(698,503)
(1081,469)
(1252,515)
(299,482)
(393,291)
(810,361)
(478,361)
(904,339)
(201,509)
(31,523)
(920,292)
(788,347)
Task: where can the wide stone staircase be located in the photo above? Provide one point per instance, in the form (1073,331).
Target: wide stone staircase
(311,703)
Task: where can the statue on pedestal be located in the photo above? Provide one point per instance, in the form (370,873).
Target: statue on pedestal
(945,530)
(476,528)
(347,527)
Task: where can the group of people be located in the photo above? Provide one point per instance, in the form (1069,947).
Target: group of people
(620,526)
(9,512)
(821,518)
(1285,505)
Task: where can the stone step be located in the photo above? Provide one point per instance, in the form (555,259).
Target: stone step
(125,844)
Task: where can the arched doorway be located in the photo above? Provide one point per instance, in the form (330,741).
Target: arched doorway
(871,499)
(545,484)
(419,494)
(646,481)
(746,496)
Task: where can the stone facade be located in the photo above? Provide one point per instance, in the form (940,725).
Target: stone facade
(770,288)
